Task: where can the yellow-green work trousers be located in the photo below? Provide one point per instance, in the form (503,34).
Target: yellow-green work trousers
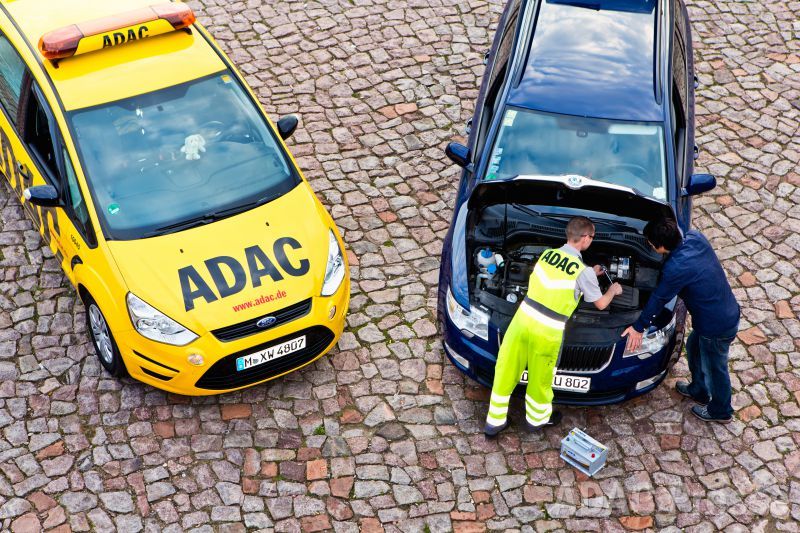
(527,343)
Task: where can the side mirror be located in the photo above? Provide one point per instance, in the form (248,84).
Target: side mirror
(699,183)
(458,154)
(42,195)
(287,125)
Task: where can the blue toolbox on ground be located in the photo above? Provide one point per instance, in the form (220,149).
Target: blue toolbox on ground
(583,452)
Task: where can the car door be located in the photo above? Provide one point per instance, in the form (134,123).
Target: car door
(32,153)
(497,70)
(74,234)
(681,110)
(491,88)
(16,163)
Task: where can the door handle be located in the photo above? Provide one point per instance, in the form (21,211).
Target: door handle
(23,171)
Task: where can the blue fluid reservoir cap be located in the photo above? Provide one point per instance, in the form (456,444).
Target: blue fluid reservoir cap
(491,269)
(486,253)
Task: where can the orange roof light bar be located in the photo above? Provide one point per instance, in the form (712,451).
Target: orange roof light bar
(115,30)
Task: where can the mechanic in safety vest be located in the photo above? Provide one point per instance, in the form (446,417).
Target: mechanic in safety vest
(533,339)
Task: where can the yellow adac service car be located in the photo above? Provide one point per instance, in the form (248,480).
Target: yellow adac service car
(205,261)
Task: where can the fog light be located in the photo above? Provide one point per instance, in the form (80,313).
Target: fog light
(646,383)
(196,359)
(332,313)
(463,361)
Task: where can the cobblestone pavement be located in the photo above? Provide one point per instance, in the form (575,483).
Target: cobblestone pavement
(383,432)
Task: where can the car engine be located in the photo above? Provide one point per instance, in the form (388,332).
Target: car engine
(505,273)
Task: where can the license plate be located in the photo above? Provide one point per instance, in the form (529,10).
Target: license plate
(270,354)
(564,382)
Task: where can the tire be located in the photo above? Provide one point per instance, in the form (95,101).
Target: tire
(104,344)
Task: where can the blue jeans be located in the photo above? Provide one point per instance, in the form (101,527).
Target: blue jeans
(708,363)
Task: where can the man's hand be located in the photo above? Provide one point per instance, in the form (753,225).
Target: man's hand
(598,270)
(615,289)
(634,339)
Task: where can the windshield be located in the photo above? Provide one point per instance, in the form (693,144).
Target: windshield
(196,151)
(630,154)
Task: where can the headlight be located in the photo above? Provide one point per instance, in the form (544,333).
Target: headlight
(155,325)
(472,321)
(334,271)
(653,341)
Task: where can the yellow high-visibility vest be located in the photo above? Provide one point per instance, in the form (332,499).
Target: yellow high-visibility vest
(551,289)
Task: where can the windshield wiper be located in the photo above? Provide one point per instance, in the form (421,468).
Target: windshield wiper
(201,220)
(224,213)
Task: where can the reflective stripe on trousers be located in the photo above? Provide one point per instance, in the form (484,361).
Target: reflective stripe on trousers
(529,343)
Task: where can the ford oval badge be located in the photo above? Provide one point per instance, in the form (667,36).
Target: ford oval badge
(266,322)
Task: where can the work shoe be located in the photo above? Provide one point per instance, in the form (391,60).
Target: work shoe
(492,431)
(555,419)
(701,412)
(683,389)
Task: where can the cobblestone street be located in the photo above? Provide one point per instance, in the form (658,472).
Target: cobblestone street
(383,433)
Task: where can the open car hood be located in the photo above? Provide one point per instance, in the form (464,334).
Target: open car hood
(572,192)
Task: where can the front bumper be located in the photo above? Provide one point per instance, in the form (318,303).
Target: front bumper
(166,367)
(619,380)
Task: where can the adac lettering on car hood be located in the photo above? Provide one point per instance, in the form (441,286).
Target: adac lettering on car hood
(222,276)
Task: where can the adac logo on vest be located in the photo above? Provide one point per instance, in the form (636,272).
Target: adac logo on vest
(258,264)
(555,259)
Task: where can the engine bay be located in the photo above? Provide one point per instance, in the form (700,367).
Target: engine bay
(504,273)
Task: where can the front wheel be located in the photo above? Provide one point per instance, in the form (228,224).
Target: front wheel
(104,343)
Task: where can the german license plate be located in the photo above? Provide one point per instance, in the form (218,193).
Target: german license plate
(270,354)
(564,382)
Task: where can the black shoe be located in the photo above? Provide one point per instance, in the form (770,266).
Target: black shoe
(554,420)
(701,412)
(492,431)
(683,389)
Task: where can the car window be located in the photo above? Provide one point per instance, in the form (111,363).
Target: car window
(12,70)
(497,74)
(630,154)
(37,133)
(193,152)
(505,46)
(679,101)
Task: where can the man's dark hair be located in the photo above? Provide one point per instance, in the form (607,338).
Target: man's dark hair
(577,227)
(663,232)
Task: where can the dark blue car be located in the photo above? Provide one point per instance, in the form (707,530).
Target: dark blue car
(586,108)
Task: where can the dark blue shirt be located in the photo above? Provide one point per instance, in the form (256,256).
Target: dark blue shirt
(693,272)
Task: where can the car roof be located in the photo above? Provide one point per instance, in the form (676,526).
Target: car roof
(592,58)
(115,73)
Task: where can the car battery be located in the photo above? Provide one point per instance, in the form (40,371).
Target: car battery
(583,452)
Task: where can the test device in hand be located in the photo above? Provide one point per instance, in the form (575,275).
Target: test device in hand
(583,452)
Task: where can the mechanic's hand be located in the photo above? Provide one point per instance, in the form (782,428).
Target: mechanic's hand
(616,289)
(598,270)
(634,339)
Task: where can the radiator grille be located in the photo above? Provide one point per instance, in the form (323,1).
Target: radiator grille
(591,358)
(249,327)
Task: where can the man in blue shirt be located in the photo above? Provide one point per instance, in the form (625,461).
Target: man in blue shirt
(693,272)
